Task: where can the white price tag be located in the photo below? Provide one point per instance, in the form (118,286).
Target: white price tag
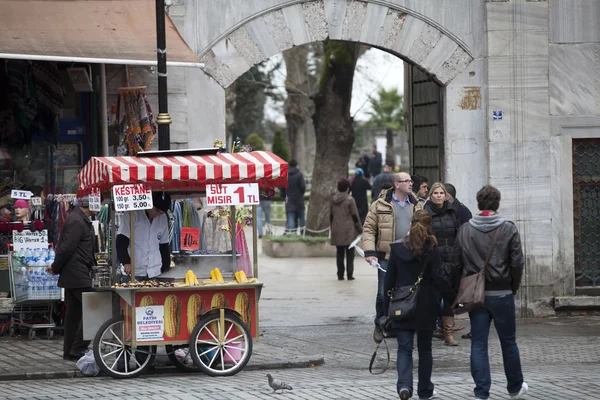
(36,201)
(232,194)
(95,202)
(30,240)
(132,197)
(21,194)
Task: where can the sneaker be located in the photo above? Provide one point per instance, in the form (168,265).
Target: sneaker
(404,394)
(378,335)
(521,393)
(435,395)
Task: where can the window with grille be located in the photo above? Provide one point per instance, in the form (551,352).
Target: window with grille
(586,203)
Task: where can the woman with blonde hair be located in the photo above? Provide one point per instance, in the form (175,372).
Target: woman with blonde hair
(445,222)
(410,257)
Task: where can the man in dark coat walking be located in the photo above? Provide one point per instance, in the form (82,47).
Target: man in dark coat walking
(74,261)
(294,199)
(358,189)
(375,162)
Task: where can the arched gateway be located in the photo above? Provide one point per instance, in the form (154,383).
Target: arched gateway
(504,85)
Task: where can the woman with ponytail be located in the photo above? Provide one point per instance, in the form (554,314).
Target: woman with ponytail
(417,252)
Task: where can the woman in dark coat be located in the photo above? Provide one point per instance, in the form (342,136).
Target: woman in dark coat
(445,222)
(345,227)
(358,189)
(417,252)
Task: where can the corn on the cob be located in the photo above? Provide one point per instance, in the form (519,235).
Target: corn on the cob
(243,306)
(218,301)
(218,275)
(243,277)
(212,275)
(194,309)
(146,301)
(172,316)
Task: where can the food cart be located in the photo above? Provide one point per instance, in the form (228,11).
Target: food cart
(209,326)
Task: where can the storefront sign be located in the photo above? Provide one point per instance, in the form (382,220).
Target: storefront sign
(150,323)
(21,194)
(190,239)
(30,240)
(132,197)
(232,194)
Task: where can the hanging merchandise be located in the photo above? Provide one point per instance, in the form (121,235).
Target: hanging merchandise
(136,121)
(23,96)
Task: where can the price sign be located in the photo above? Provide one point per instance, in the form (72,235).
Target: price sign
(36,201)
(30,240)
(21,194)
(95,202)
(132,197)
(232,194)
(190,239)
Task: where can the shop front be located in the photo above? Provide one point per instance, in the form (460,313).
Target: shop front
(54,108)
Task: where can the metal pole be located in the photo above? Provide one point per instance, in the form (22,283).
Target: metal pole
(254,242)
(233,237)
(163,119)
(103,111)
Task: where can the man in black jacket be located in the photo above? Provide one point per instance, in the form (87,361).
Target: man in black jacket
(462,211)
(294,199)
(74,261)
(502,279)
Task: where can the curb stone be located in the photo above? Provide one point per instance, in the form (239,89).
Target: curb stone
(304,363)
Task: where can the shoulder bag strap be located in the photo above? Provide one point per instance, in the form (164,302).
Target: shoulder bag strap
(491,249)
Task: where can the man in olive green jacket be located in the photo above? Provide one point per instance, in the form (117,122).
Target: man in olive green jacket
(388,220)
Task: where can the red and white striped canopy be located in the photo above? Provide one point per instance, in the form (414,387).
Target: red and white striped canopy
(184,172)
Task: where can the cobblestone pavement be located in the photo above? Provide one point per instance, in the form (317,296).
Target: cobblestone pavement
(305,312)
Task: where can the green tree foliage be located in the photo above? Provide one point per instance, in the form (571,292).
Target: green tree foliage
(387,110)
(255,141)
(280,146)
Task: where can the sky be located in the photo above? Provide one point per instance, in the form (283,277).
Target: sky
(374,69)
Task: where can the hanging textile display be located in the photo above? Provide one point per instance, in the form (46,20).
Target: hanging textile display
(136,121)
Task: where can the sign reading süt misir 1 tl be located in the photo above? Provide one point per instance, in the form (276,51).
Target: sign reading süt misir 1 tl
(234,194)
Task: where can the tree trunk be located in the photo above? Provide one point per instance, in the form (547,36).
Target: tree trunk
(298,107)
(333,128)
(389,146)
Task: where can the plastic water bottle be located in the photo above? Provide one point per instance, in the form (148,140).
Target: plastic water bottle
(51,254)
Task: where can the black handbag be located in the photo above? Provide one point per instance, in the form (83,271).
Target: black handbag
(403,299)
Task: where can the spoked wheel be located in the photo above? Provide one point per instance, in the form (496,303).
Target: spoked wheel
(115,357)
(181,358)
(221,344)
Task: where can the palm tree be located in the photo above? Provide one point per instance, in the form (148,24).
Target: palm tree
(387,111)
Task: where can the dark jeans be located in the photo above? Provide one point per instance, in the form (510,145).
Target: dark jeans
(405,340)
(344,251)
(295,219)
(500,309)
(380,295)
(73,324)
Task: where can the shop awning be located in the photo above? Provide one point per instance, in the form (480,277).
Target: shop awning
(183,172)
(90,31)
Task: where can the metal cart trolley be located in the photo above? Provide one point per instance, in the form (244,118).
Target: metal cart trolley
(207,327)
(34,294)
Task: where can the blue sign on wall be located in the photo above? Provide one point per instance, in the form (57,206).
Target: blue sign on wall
(497,115)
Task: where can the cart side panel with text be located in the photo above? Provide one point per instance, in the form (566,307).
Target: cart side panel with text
(209,327)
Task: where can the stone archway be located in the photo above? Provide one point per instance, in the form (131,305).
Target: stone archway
(413,35)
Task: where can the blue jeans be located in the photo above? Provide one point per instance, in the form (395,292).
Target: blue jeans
(405,340)
(500,309)
(264,206)
(380,295)
(295,219)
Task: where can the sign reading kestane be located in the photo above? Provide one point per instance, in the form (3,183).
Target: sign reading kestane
(234,194)
(132,197)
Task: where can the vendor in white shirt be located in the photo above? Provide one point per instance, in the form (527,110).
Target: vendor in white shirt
(151,229)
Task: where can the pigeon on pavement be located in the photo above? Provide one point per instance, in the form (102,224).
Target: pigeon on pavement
(276,384)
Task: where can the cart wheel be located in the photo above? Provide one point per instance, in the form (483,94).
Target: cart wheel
(12,331)
(114,355)
(220,352)
(183,364)
(32,334)
(50,334)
